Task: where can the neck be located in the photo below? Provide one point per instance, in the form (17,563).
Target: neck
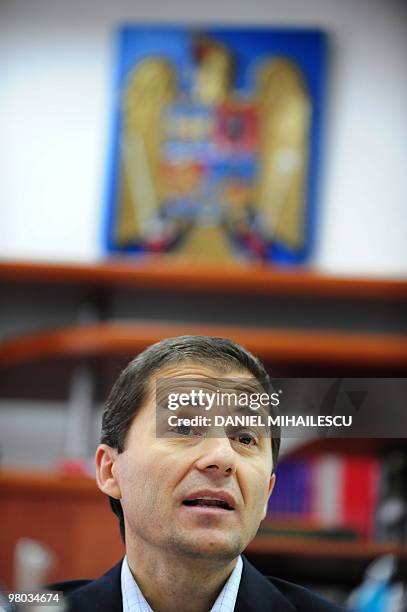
(172,582)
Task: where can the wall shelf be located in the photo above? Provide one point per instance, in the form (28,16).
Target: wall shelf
(308,547)
(175,273)
(113,339)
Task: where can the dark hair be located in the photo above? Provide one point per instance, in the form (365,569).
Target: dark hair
(130,389)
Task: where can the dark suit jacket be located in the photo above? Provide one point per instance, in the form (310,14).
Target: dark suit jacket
(256,594)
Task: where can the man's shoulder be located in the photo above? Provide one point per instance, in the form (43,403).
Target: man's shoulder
(302,598)
(258,592)
(102,594)
(68,586)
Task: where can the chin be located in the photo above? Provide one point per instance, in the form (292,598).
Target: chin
(209,545)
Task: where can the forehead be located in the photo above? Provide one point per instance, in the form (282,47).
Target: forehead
(205,375)
(200,370)
(196,375)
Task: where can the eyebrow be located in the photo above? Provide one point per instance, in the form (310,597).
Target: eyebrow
(248,411)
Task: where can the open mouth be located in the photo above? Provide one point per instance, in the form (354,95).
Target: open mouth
(208,503)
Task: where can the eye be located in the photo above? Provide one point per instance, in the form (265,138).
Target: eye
(183,430)
(246,438)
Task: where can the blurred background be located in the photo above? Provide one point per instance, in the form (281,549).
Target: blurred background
(71,316)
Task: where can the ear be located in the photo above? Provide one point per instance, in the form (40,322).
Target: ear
(106,460)
(271,487)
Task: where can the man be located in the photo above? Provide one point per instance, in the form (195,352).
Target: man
(188,504)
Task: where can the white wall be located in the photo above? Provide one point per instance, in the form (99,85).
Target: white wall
(56,62)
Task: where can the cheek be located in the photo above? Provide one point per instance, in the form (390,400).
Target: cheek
(146,479)
(258,485)
(134,477)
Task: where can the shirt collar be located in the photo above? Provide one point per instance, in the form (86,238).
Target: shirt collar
(134,600)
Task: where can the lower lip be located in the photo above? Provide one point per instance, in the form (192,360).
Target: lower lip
(208,509)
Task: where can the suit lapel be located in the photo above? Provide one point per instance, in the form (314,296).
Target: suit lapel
(257,594)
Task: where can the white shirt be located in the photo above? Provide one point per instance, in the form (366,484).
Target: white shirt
(134,600)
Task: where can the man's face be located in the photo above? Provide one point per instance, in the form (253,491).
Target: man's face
(158,477)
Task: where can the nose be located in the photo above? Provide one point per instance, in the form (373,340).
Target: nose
(217,457)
